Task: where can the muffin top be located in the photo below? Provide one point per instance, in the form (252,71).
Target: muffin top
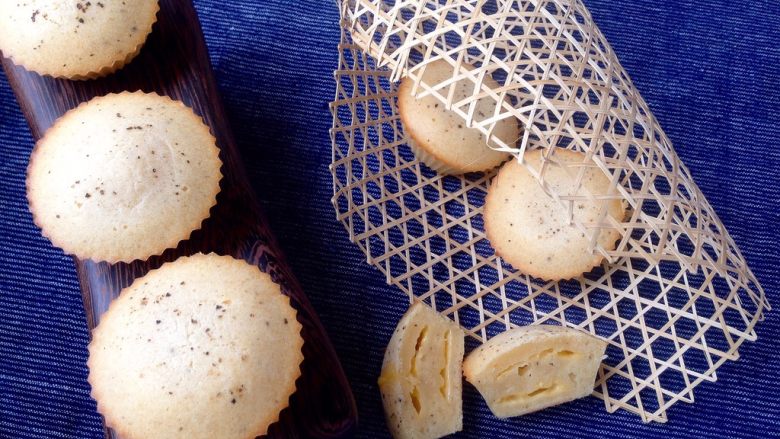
(123,177)
(75,39)
(442,139)
(203,347)
(532,231)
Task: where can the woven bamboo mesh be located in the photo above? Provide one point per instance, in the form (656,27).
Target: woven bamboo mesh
(675,298)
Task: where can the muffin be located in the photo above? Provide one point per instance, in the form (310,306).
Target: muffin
(531,231)
(75,39)
(439,137)
(421,382)
(203,347)
(123,177)
(530,368)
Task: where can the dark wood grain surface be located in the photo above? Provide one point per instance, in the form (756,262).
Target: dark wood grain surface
(175,62)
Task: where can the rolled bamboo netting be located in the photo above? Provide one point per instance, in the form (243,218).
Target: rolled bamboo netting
(675,298)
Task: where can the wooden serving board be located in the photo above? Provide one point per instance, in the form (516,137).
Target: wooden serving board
(175,62)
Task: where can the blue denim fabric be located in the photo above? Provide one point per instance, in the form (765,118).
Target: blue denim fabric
(710,70)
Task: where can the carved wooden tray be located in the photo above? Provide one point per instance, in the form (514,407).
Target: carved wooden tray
(175,62)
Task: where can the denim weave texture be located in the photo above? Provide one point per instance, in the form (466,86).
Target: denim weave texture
(709,69)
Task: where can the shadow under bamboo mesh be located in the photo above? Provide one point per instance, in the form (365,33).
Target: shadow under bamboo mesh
(674,299)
